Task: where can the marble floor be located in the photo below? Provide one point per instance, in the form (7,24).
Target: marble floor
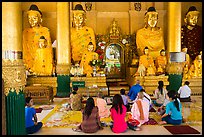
(192,113)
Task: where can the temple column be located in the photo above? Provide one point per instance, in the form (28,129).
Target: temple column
(63,48)
(13,69)
(174,69)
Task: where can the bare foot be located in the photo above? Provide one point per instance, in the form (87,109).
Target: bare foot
(162,122)
(138,129)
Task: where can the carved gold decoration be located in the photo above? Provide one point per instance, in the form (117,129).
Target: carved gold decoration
(137,6)
(14,75)
(175,68)
(88,6)
(63,69)
(115,31)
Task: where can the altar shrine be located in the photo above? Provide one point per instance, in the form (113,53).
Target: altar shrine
(45,49)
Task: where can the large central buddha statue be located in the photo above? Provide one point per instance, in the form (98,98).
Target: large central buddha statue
(81,35)
(191,33)
(150,35)
(32,35)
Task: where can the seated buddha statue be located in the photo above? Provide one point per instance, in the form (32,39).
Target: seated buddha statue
(196,67)
(150,71)
(191,33)
(150,35)
(43,61)
(81,34)
(186,72)
(88,55)
(161,62)
(187,57)
(146,61)
(32,35)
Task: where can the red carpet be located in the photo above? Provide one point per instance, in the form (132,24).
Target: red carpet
(151,122)
(181,129)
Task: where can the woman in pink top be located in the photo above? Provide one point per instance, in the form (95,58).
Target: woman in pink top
(118,114)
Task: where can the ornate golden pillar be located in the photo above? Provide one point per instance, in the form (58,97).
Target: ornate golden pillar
(174,69)
(63,38)
(174,27)
(13,69)
(63,48)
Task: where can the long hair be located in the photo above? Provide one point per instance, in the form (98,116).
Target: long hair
(173,94)
(117,103)
(160,87)
(89,106)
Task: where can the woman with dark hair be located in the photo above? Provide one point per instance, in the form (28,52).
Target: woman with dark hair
(118,114)
(161,95)
(90,121)
(173,113)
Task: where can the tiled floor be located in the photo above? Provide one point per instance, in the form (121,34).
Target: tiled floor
(192,112)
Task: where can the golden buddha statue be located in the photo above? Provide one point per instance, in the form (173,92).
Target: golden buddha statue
(151,35)
(196,67)
(188,61)
(186,72)
(81,35)
(146,59)
(160,70)
(88,55)
(43,61)
(146,63)
(150,71)
(32,35)
(191,33)
(161,62)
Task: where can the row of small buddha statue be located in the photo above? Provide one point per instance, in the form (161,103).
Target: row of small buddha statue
(150,67)
(150,36)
